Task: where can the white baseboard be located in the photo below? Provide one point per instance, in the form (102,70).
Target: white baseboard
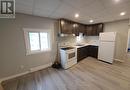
(13,76)
(119,60)
(40,67)
(29,71)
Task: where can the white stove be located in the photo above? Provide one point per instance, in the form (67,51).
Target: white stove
(68,56)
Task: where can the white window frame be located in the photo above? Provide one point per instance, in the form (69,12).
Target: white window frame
(27,41)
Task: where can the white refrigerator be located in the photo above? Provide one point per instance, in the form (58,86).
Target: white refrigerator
(107,46)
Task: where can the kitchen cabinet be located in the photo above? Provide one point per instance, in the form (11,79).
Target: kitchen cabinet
(86,51)
(94,30)
(93,51)
(76,28)
(100,28)
(82,53)
(79,28)
(66,27)
(89,29)
(71,27)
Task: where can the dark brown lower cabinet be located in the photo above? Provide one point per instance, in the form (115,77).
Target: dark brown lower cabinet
(82,53)
(86,51)
(93,51)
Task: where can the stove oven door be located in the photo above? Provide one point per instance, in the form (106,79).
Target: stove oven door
(71,54)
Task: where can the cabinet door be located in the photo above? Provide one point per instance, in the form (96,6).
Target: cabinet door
(76,27)
(81,28)
(85,30)
(66,27)
(86,51)
(94,30)
(94,51)
(89,30)
(100,28)
(81,53)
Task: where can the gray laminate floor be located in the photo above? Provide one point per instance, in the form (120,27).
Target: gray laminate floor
(89,74)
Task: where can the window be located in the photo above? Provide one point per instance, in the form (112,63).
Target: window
(34,41)
(37,40)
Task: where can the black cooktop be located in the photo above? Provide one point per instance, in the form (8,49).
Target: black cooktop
(67,48)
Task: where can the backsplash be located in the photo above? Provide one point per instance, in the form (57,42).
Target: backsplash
(71,40)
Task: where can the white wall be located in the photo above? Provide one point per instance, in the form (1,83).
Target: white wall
(121,27)
(1,51)
(13,46)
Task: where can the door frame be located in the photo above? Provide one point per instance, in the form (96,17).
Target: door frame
(128,42)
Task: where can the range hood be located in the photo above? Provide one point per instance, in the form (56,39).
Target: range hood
(65,35)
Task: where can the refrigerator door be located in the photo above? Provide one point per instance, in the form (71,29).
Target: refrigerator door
(107,36)
(106,51)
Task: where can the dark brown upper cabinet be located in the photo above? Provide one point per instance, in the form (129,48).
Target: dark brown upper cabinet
(66,26)
(100,28)
(71,27)
(88,31)
(79,28)
(82,28)
(76,28)
(94,30)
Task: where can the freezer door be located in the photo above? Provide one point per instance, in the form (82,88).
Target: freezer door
(106,51)
(107,36)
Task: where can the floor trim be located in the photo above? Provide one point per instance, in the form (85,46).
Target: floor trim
(29,71)
(40,67)
(119,60)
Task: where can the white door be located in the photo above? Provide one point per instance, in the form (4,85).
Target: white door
(107,36)
(106,51)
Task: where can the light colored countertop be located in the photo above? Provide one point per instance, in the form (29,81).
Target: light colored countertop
(80,45)
(87,44)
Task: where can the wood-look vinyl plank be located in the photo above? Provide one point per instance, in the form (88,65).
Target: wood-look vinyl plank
(88,74)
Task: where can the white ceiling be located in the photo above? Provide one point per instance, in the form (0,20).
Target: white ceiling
(98,10)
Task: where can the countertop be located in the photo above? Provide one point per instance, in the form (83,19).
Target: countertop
(87,44)
(80,45)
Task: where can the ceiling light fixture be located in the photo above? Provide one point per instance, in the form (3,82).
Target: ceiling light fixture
(122,13)
(62,22)
(74,25)
(117,0)
(91,21)
(76,15)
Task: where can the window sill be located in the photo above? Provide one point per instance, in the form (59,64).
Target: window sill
(37,52)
